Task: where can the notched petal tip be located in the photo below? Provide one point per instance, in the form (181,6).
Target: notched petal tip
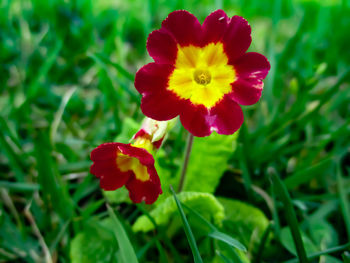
(162,47)
(184,27)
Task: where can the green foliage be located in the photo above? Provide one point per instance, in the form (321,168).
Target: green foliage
(243,221)
(191,240)
(96,243)
(206,204)
(287,241)
(208,161)
(300,130)
(127,253)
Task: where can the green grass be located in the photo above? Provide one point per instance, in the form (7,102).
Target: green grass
(66,85)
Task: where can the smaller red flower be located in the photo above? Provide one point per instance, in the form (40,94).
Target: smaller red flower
(118,164)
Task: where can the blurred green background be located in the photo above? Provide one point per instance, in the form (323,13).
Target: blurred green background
(66,85)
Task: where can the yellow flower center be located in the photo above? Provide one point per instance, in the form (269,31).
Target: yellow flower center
(202,75)
(127,163)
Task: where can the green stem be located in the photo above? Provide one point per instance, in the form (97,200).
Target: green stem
(262,244)
(185,162)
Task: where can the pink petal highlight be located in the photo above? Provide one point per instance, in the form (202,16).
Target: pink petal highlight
(228,116)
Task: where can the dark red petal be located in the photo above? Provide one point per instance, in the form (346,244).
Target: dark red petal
(147,191)
(141,154)
(237,38)
(228,116)
(140,133)
(195,120)
(246,92)
(162,47)
(114,181)
(184,27)
(157,102)
(103,167)
(104,151)
(252,65)
(214,27)
(161,106)
(152,78)
(158,143)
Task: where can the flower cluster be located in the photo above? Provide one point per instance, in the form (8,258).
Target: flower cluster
(202,73)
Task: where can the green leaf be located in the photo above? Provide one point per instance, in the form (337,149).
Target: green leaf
(216,234)
(206,204)
(51,184)
(290,216)
(208,161)
(191,240)
(243,221)
(96,243)
(323,233)
(228,240)
(287,242)
(118,196)
(130,127)
(127,252)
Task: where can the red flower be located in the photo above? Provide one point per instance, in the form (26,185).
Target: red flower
(201,72)
(118,164)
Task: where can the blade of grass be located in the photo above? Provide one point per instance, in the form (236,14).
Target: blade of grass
(19,187)
(344,202)
(258,256)
(117,66)
(126,249)
(307,174)
(53,188)
(16,163)
(162,254)
(43,71)
(215,233)
(290,216)
(324,252)
(191,240)
(59,113)
(228,240)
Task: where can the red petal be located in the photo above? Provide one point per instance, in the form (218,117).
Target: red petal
(104,151)
(184,27)
(113,182)
(161,106)
(237,38)
(214,27)
(152,77)
(105,166)
(141,154)
(195,120)
(147,191)
(157,102)
(162,47)
(252,65)
(251,68)
(246,92)
(228,116)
